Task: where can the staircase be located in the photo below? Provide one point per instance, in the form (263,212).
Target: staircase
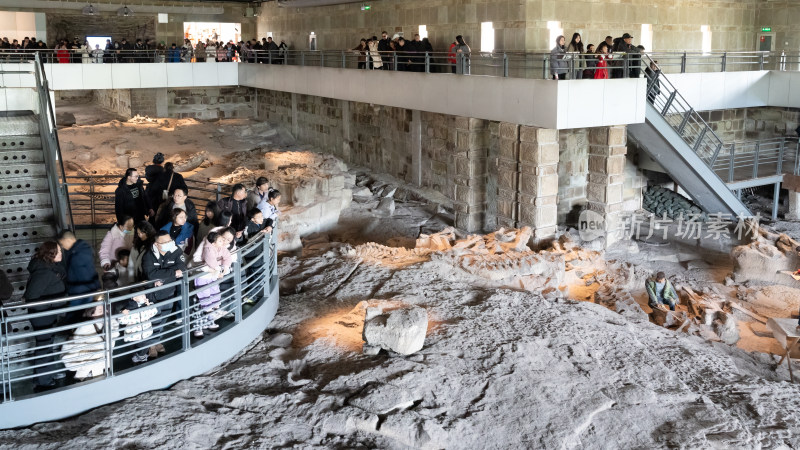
(33,205)
(676,137)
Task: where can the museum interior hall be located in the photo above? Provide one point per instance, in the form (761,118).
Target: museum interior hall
(441,224)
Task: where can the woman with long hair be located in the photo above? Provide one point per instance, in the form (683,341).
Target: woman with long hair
(575,47)
(601,72)
(462,55)
(144,235)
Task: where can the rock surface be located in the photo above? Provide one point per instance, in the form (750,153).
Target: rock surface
(401,330)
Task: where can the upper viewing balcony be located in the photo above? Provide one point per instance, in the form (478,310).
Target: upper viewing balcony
(510,86)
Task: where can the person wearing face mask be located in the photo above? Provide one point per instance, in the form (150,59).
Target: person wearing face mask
(163,264)
(119,237)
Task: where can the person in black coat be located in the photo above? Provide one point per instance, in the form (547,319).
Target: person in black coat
(385,50)
(152,171)
(130,199)
(47,274)
(168,181)
(164,263)
(81,273)
(236,204)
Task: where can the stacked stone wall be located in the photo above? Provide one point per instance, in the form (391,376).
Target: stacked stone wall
(752,123)
(211,103)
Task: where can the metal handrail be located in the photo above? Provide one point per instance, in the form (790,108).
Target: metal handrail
(167,327)
(510,63)
(52,151)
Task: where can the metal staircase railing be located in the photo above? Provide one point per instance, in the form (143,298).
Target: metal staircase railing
(52,151)
(689,125)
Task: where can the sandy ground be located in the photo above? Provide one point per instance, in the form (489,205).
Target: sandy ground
(501,368)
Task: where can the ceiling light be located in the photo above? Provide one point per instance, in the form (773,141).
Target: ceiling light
(125,12)
(89,10)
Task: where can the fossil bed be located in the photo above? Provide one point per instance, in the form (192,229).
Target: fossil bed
(545,359)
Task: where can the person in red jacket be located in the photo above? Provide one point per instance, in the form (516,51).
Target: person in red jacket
(601,73)
(451,56)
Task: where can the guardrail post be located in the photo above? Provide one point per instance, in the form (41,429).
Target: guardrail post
(344,60)
(91,198)
(724,61)
(427,62)
(755,161)
(266,273)
(219,192)
(683,63)
(186,341)
(302,59)
(4,373)
(545,61)
(625,66)
(780,156)
(730,162)
(761,61)
(108,332)
(322,59)
(237,280)
(505,65)
(394,61)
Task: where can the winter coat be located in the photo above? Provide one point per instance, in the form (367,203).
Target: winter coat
(203,229)
(85,351)
(669,291)
(197,256)
(156,266)
(199,51)
(451,54)
(126,204)
(238,209)
(601,73)
(184,237)
(164,214)
(114,241)
(152,172)
(558,62)
(81,273)
(580,61)
(46,280)
(137,321)
(135,272)
(164,181)
(377,63)
(174,55)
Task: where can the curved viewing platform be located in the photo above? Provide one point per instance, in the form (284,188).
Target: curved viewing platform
(111,329)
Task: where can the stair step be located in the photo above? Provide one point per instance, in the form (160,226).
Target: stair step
(20,142)
(29,155)
(15,235)
(9,186)
(19,125)
(14,202)
(22,170)
(26,217)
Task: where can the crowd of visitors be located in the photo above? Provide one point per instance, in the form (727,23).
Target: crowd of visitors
(142,246)
(612,58)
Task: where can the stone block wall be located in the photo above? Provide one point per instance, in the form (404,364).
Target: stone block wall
(274,106)
(573,169)
(116,100)
(753,123)
(604,190)
(211,103)
(380,139)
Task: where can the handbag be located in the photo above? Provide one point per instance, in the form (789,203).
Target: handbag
(165,192)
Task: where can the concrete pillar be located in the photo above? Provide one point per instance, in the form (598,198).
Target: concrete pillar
(468,167)
(794,206)
(416,147)
(538,181)
(507,166)
(607,149)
